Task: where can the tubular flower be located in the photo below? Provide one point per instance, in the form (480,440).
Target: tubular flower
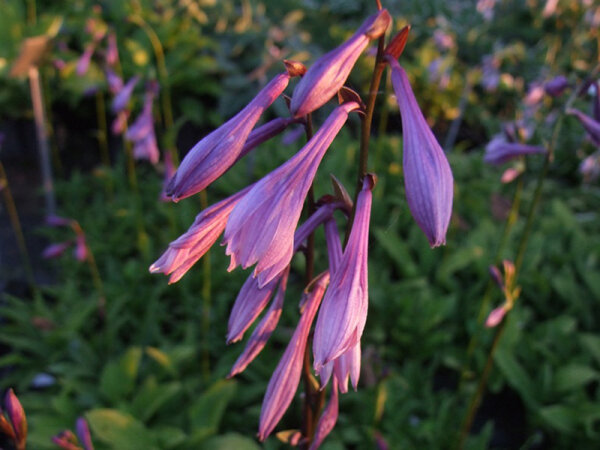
(284,382)
(86,58)
(498,151)
(556,86)
(185,251)
(590,125)
(219,150)
(261,226)
(427,176)
(16,430)
(121,100)
(328,74)
(141,132)
(344,312)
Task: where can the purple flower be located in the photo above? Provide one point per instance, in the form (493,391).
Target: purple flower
(534,94)
(120,122)
(284,382)
(56,250)
(328,73)
(498,151)
(556,86)
(112,52)
(261,226)
(590,125)
(218,151)
(169,172)
(427,176)
(328,418)
(121,100)
(495,317)
(84,61)
(185,251)
(115,83)
(141,132)
(57,221)
(81,249)
(16,414)
(66,440)
(590,168)
(344,311)
(83,432)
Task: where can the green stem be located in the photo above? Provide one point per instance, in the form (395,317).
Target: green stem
(103,139)
(31,12)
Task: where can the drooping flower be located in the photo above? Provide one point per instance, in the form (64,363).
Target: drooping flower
(141,132)
(328,73)
(495,316)
(115,82)
(511,292)
(84,60)
(427,175)
(343,314)
(81,249)
(261,226)
(589,124)
(556,86)
(284,381)
(498,151)
(112,51)
(121,100)
(218,151)
(16,425)
(186,250)
(83,432)
(68,441)
(56,250)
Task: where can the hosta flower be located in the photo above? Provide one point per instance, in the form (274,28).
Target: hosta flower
(185,251)
(427,176)
(141,132)
(217,152)
(556,86)
(328,73)
(284,382)
(112,51)
(589,124)
(344,310)
(121,100)
(261,226)
(84,61)
(69,441)
(498,151)
(15,427)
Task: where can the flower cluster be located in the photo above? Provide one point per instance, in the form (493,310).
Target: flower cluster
(260,223)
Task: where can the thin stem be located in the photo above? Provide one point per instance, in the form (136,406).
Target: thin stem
(159,54)
(13,215)
(103,138)
(31,12)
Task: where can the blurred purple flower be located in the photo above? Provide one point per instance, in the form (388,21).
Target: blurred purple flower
(115,82)
(261,226)
(121,100)
(534,94)
(84,60)
(56,250)
(112,51)
(549,8)
(186,250)
(141,132)
(81,249)
(438,74)
(343,314)
(83,432)
(486,8)
(57,221)
(66,440)
(427,175)
(590,125)
(218,151)
(328,73)
(556,86)
(443,40)
(590,168)
(495,317)
(18,421)
(284,382)
(498,151)
(120,122)
(59,64)
(490,73)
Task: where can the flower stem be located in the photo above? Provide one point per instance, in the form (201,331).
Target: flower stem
(102,138)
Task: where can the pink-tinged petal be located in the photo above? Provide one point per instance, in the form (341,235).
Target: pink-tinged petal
(344,311)
(83,432)
(427,175)
(112,52)
(510,175)
(380,442)
(115,82)
(121,100)
(549,8)
(590,125)
(556,86)
(56,250)
(119,124)
(495,317)
(186,250)
(499,151)
(329,73)
(285,379)
(346,367)
(81,248)
(334,246)
(263,331)
(84,61)
(66,440)
(16,414)
(219,150)
(535,94)
(590,168)
(261,226)
(328,418)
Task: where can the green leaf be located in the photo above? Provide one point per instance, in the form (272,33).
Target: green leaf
(398,251)
(591,342)
(230,441)
(206,413)
(120,430)
(118,377)
(560,417)
(152,396)
(516,376)
(573,376)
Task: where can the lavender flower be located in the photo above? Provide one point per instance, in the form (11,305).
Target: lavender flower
(344,311)
(141,132)
(556,86)
(112,52)
(68,441)
(115,82)
(185,251)
(83,432)
(84,61)
(17,429)
(217,152)
(121,100)
(427,175)
(261,226)
(589,124)
(498,151)
(284,382)
(495,317)
(328,74)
